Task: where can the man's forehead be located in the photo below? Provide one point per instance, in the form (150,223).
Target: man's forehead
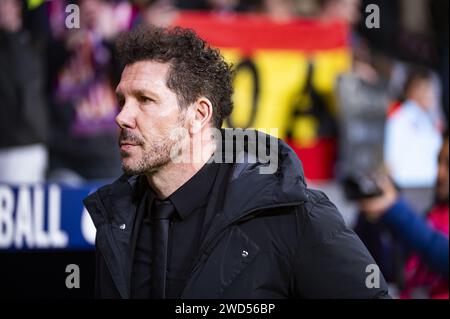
(141,69)
(143,74)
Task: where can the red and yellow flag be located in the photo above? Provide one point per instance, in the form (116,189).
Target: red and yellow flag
(285,78)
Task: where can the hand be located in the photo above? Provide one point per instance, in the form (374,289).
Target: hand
(375,207)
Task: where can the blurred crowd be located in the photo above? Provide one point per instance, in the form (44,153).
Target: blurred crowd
(57,109)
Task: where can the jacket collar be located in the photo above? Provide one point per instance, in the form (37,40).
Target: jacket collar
(248,189)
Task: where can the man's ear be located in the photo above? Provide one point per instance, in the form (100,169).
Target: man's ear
(201,115)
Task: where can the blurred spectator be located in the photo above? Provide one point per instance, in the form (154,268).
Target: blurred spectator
(347,11)
(428,239)
(280,10)
(415,31)
(412,138)
(160,12)
(83,74)
(415,38)
(363,99)
(23,112)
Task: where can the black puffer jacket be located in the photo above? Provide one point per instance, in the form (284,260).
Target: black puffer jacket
(273,238)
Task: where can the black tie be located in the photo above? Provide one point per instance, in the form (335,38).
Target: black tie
(161,213)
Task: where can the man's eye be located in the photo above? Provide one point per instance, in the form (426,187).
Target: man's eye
(145,99)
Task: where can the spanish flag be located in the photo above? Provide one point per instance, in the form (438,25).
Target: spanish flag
(285,75)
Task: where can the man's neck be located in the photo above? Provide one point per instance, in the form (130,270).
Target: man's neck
(173,175)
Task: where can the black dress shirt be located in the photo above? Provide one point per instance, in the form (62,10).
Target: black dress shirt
(185,233)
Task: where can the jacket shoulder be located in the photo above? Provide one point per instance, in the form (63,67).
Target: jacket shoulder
(320,219)
(331,261)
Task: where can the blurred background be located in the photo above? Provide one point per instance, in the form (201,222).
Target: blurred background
(358,88)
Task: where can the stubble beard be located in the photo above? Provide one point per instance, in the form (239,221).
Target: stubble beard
(152,159)
(154,155)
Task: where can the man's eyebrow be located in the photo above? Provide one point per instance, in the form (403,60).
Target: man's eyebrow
(137,92)
(143,92)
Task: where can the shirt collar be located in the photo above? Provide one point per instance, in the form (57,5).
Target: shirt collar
(193,193)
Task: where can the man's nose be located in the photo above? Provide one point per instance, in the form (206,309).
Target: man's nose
(126,118)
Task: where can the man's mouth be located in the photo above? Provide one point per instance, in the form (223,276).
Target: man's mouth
(125,146)
(128,141)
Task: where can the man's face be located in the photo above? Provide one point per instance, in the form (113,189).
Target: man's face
(442,187)
(150,113)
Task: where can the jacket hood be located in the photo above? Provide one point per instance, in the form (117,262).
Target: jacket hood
(251,186)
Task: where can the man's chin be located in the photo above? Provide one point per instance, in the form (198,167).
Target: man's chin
(133,169)
(129,171)
(130,168)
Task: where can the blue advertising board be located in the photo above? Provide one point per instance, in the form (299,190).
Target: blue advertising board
(45,216)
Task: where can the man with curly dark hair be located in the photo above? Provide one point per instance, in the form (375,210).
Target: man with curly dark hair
(185,221)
